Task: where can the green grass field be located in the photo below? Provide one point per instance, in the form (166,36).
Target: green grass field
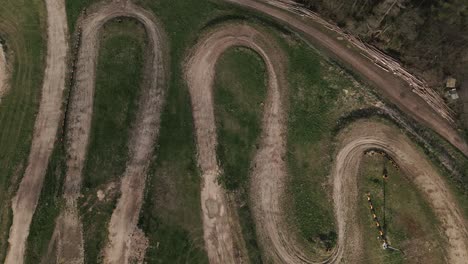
(48,208)
(239,93)
(410,225)
(22,33)
(317,98)
(171,215)
(74,9)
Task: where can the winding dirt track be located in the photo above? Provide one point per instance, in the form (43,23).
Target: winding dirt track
(391,86)
(145,130)
(3,72)
(45,130)
(221,227)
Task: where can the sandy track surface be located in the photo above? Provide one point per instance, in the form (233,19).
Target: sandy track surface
(124,219)
(3,72)
(45,130)
(391,86)
(222,234)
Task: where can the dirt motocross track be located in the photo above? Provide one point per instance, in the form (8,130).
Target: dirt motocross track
(223,238)
(221,227)
(123,222)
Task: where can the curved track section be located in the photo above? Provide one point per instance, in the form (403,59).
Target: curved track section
(45,130)
(222,234)
(391,86)
(145,130)
(267,189)
(365,135)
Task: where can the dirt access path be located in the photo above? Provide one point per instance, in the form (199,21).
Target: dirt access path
(45,130)
(3,73)
(223,238)
(391,86)
(124,219)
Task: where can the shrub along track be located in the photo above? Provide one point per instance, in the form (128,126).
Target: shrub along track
(122,227)
(45,130)
(221,227)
